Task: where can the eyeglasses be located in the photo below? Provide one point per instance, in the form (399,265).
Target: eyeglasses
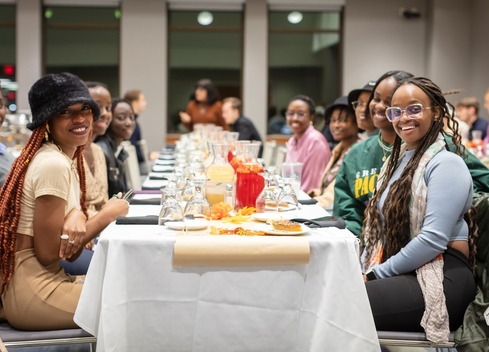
(300,114)
(358,104)
(413,111)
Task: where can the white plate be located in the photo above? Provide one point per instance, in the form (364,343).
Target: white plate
(191,225)
(267,216)
(270,231)
(165,162)
(163,168)
(166,157)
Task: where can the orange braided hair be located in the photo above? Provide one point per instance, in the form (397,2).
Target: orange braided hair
(11,194)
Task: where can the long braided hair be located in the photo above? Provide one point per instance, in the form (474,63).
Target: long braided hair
(396,206)
(11,194)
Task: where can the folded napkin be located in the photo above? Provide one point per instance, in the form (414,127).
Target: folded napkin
(145,201)
(147,191)
(158,177)
(154,188)
(308,201)
(327,221)
(137,220)
(234,250)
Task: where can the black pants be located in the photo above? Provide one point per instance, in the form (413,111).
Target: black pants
(397,302)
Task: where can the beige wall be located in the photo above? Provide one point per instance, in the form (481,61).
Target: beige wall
(28,48)
(255,63)
(143,63)
(447,44)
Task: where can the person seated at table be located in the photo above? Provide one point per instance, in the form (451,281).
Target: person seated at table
(356,179)
(6,158)
(418,232)
(232,115)
(307,145)
(120,129)
(467,110)
(43,213)
(343,126)
(358,99)
(204,106)
(95,173)
(93,155)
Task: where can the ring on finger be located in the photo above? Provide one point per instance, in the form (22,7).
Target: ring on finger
(72,242)
(64,236)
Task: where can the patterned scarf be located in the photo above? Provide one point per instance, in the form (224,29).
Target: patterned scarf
(430,276)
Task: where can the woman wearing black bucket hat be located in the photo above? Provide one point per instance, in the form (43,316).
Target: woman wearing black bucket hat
(43,214)
(343,126)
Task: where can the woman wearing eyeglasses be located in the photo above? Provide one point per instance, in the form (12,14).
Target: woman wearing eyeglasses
(357,177)
(43,213)
(358,99)
(419,233)
(307,145)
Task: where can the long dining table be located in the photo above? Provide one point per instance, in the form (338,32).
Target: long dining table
(135,299)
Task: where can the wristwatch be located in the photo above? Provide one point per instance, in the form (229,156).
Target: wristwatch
(371,276)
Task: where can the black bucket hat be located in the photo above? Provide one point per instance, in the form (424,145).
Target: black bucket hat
(354,94)
(341,101)
(54,92)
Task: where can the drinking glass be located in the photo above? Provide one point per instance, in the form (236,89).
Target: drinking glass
(197,207)
(171,209)
(287,196)
(266,200)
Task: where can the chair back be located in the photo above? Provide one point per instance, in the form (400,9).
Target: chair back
(131,167)
(280,158)
(473,335)
(268,153)
(144,150)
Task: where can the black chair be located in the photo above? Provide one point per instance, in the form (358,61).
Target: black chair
(17,338)
(410,339)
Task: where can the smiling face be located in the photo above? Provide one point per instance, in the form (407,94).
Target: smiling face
(104,101)
(412,131)
(342,125)
(298,117)
(70,127)
(364,122)
(380,102)
(123,124)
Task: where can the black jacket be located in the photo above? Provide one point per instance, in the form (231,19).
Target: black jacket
(115,166)
(247,131)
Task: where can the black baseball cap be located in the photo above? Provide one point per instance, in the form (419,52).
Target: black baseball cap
(354,94)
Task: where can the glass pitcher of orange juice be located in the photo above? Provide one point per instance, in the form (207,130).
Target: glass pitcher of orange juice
(219,174)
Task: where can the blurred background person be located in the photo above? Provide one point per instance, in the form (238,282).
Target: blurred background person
(232,115)
(467,110)
(138,103)
(6,158)
(119,130)
(319,119)
(307,145)
(358,99)
(204,106)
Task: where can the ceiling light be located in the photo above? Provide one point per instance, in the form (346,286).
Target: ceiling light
(295,17)
(205,18)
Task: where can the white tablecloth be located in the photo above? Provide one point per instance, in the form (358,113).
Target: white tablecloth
(135,300)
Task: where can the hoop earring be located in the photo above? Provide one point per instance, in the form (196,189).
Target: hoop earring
(46,133)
